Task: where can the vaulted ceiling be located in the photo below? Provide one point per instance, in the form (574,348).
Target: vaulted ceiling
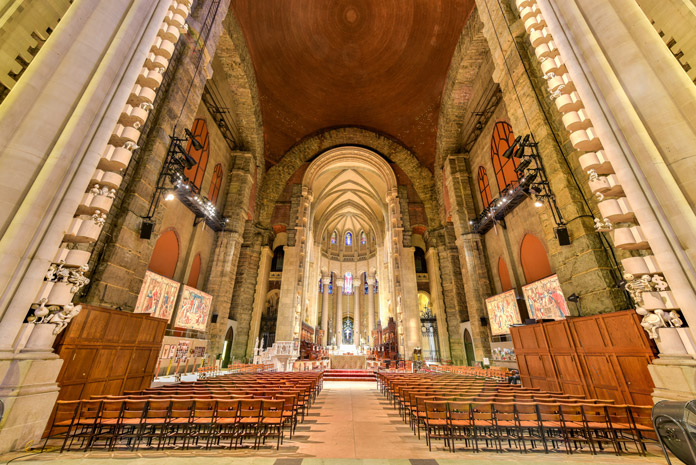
(378,64)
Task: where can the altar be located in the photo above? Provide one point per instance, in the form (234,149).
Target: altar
(348,362)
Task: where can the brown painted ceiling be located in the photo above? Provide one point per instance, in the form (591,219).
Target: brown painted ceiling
(378,64)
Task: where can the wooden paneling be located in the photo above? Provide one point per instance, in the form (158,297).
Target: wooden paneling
(601,356)
(108,351)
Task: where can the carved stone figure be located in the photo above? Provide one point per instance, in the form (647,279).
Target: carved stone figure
(651,322)
(63,317)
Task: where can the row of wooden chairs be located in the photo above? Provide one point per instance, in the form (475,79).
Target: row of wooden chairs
(160,423)
(526,427)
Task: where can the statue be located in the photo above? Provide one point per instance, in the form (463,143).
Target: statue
(651,322)
(63,317)
(674,319)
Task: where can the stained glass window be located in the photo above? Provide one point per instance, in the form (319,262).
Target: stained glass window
(348,283)
(365,282)
(376,286)
(334,238)
(363,238)
(321,289)
(349,238)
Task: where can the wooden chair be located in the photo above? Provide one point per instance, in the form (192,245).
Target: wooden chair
(484,426)
(128,425)
(153,424)
(272,420)
(226,421)
(202,420)
(436,424)
(551,425)
(63,420)
(249,420)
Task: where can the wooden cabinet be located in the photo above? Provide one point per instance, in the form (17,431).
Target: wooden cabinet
(600,356)
(108,351)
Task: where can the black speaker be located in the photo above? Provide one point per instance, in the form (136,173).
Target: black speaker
(563,236)
(146,229)
(213,318)
(484,321)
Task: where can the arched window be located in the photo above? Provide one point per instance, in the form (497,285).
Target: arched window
(331,283)
(334,238)
(365,285)
(349,239)
(535,262)
(419,258)
(348,283)
(504,275)
(197,171)
(215,184)
(484,187)
(165,254)
(504,168)
(278,257)
(195,271)
(363,238)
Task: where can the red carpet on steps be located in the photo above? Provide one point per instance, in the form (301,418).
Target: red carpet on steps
(349,375)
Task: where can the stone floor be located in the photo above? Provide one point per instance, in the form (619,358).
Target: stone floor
(350,424)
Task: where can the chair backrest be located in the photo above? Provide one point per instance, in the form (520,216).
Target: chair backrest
(548,412)
(66,411)
(111,409)
(482,412)
(203,408)
(250,408)
(182,408)
(133,409)
(435,410)
(504,411)
(459,411)
(572,412)
(272,408)
(89,410)
(228,408)
(158,408)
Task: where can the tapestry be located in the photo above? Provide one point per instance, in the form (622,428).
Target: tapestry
(193,309)
(157,296)
(545,299)
(503,312)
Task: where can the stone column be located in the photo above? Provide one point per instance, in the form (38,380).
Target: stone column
(438,302)
(356,312)
(325,280)
(370,309)
(54,126)
(339,311)
(475,276)
(259,298)
(244,286)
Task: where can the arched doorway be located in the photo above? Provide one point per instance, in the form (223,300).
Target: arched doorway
(469,348)
(227,348)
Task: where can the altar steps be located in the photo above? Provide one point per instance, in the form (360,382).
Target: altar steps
(349,375)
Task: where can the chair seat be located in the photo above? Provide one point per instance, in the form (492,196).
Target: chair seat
(436,422)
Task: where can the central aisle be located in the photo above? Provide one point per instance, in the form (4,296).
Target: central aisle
(353,420)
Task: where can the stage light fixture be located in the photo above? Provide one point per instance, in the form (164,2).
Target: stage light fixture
(196,144)
(510,150)
(169,195)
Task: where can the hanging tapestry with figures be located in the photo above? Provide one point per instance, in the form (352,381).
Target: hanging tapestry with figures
(193,309)
(545,299)
(503,312)
(157,296)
